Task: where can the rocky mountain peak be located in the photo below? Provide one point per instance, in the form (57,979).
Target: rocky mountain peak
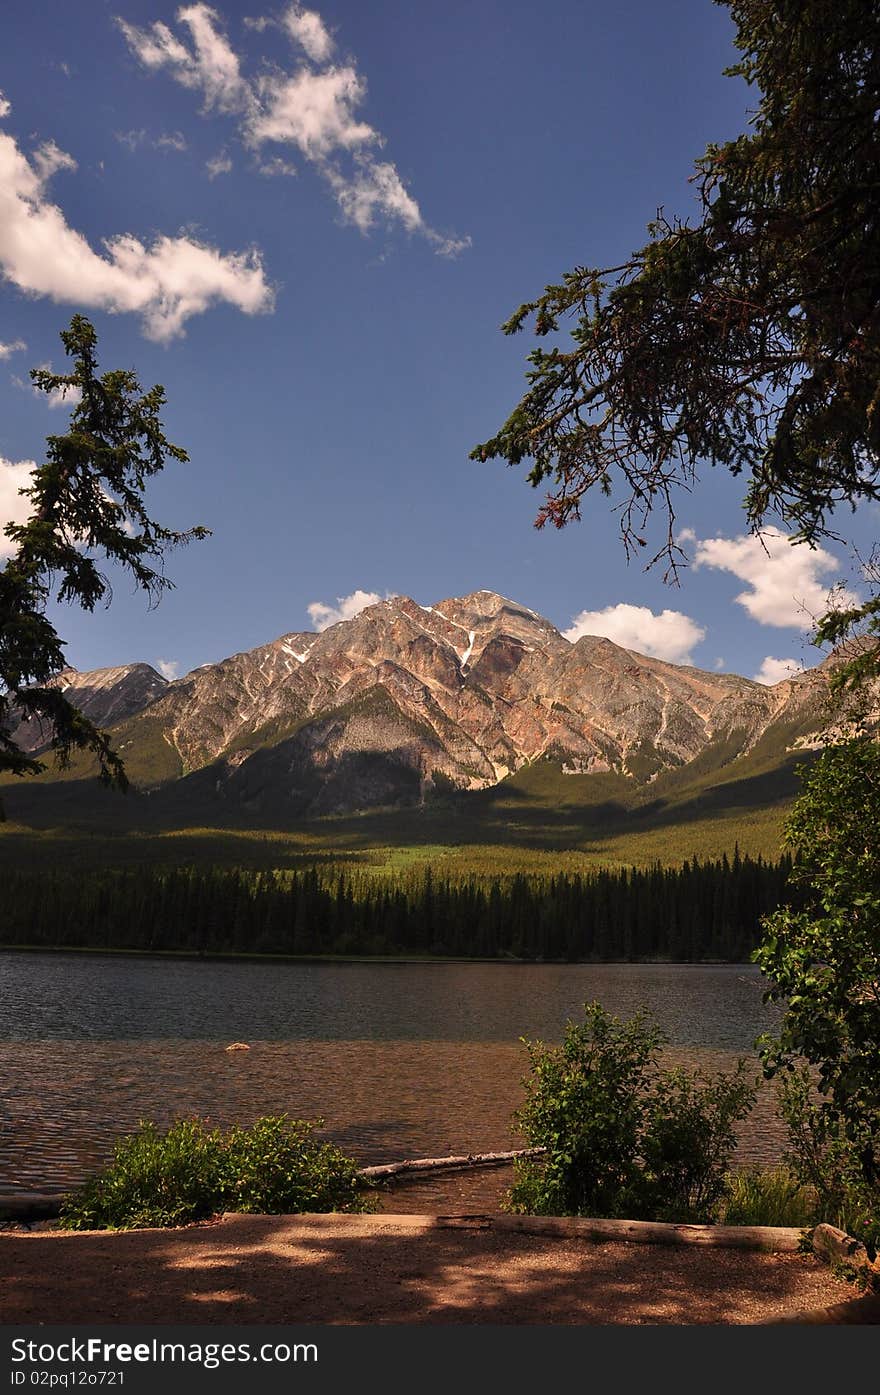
(404,698)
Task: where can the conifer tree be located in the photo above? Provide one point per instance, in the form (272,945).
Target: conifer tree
(748,339)
(87,509)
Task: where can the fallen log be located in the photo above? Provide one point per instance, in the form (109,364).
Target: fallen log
(836,1247)
(740,1237)
(383,1170)
(42,1205)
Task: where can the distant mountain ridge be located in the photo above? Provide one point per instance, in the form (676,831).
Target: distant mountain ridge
(404,701)
(105,695)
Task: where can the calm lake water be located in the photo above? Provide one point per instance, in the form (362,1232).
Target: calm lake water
(400,1060)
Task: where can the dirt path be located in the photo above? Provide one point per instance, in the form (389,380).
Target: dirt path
(392,1269)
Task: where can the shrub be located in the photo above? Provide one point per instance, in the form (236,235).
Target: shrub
(192,1172)
(277,1166)
(823,963)
(829,1156)
(154,1179)
(688,1139)
(623,1137)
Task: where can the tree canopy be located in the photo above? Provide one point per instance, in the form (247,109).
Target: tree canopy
(823,960)
(87,507)
(749,340)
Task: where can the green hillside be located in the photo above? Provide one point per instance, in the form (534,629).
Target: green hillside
(537,820)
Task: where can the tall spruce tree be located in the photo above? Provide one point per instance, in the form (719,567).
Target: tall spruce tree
(88,508)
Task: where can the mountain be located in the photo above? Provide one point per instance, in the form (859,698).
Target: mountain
(105,695)
(405,702)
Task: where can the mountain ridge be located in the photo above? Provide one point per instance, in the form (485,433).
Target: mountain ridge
(403,703)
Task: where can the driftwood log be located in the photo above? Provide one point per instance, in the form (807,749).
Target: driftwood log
(383,1170)
(836,1247)
(32,1206)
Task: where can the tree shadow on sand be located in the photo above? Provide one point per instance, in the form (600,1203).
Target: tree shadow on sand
(380,1270)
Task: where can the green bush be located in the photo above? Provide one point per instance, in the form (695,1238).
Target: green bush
(687,1141)
(192,1172)
(623,1137)
(278,1167)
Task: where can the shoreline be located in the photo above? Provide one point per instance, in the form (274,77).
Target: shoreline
(244,956)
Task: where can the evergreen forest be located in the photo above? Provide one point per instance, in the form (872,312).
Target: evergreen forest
(707,910)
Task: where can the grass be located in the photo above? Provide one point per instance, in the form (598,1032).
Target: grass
(22,845)
(770,1196)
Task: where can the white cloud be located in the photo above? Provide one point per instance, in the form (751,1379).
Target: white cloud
(783,579)
(314,109)
(210,67)
(49,158)
(347,607)
(5,106)
(375,191)
(307,29)
(132,139)
(375,188)
(276,167)
(166,283)
(15,347)
(14,508)
(174,140)
(59,397)
(669,635)
(218,164)
(775,670)
(169,668)
(448,246)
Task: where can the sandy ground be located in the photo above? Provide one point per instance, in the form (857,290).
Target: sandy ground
(397,1269)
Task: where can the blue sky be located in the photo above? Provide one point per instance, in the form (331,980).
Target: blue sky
(308,224)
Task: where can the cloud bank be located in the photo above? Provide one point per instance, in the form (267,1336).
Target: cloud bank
(669,635)
(313,108)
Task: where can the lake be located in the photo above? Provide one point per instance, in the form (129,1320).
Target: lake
(399,1059)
